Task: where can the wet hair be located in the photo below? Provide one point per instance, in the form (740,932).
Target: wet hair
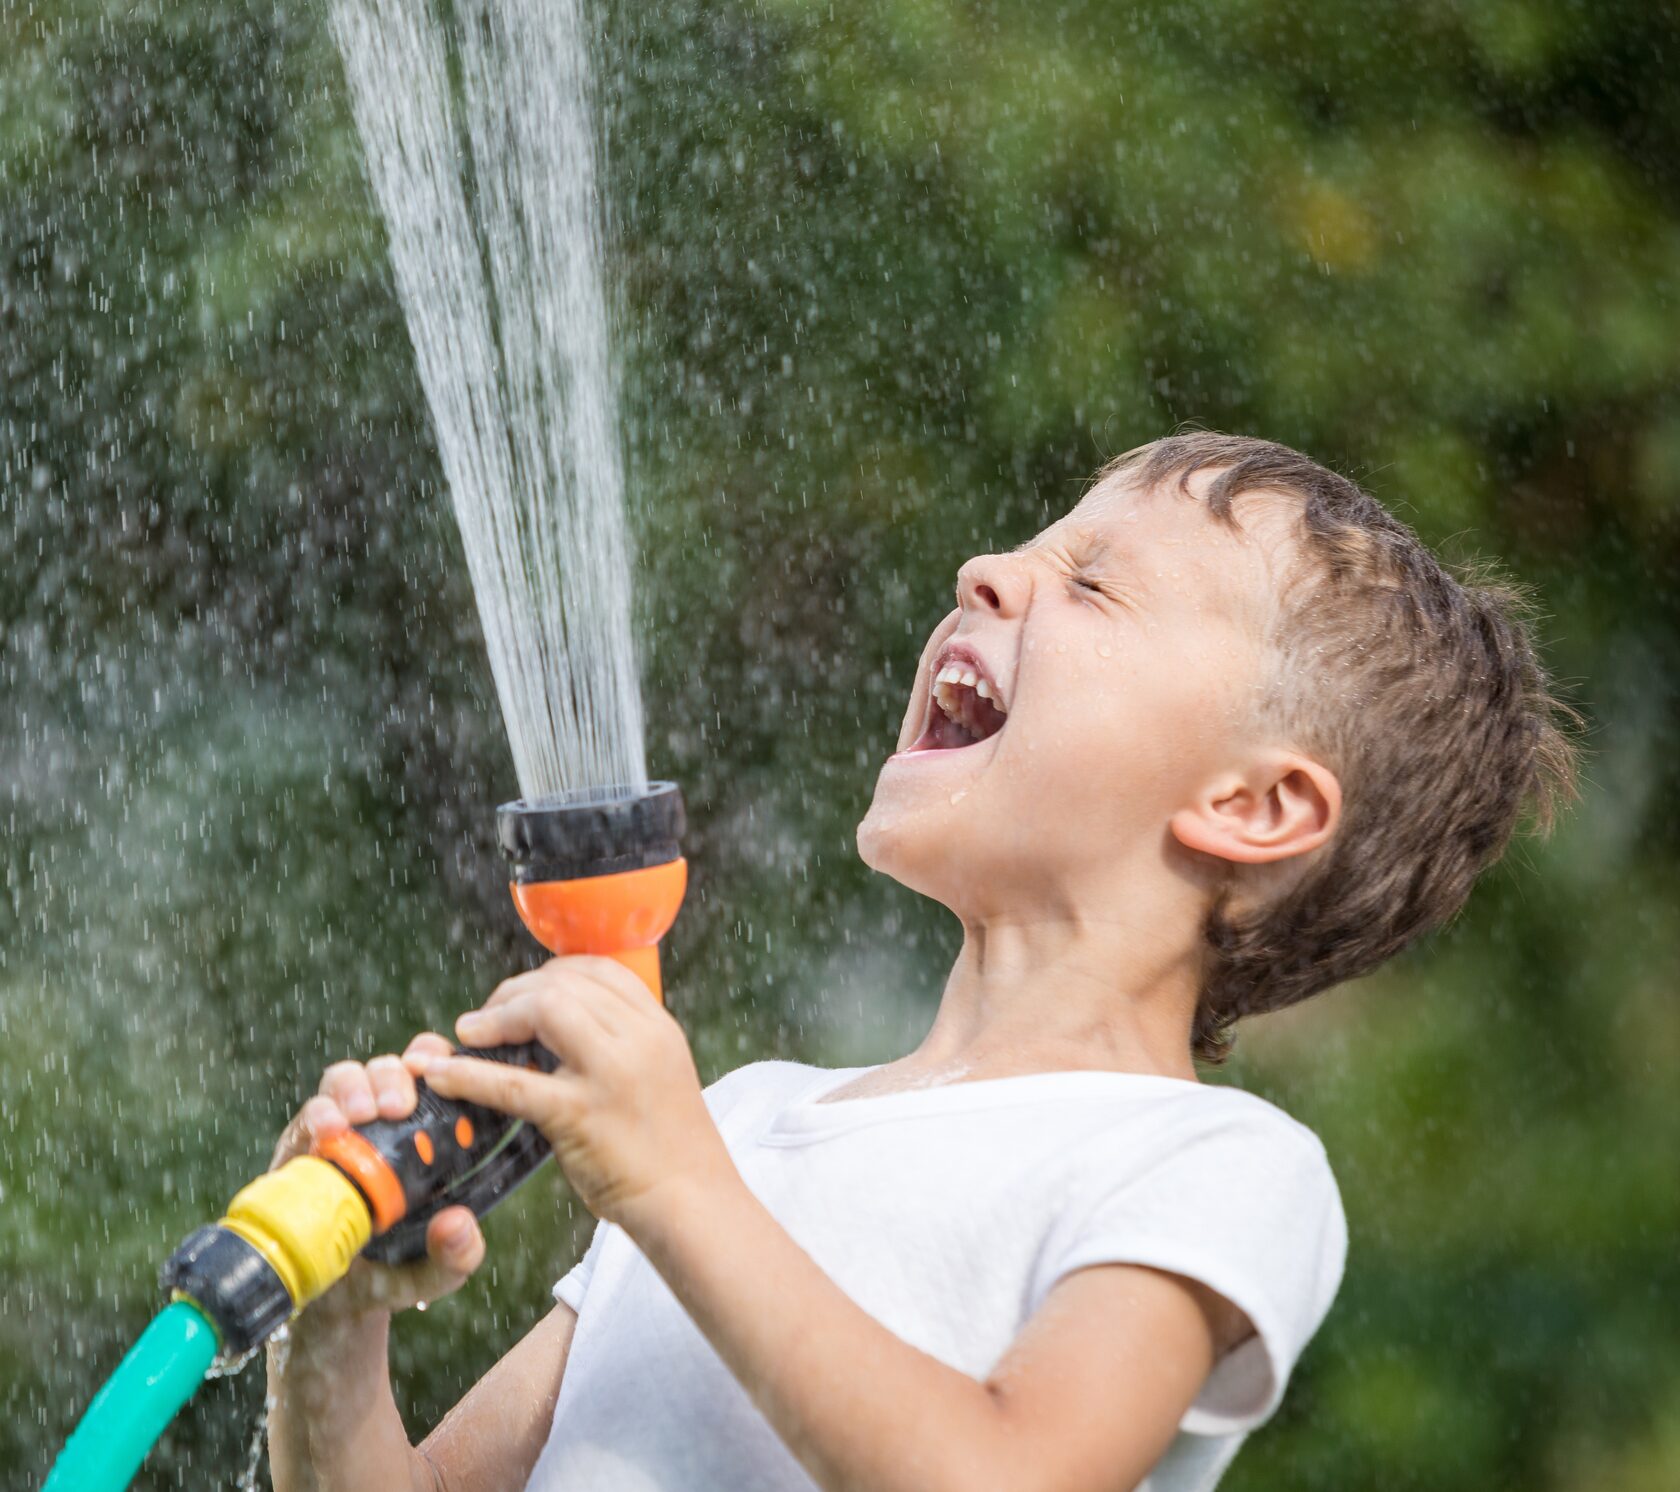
(1418,684)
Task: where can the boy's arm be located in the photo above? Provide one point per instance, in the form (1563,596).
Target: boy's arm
(492,1438)
(334,1423)
(1089,1397)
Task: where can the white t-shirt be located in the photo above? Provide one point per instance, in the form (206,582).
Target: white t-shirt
(949,1214)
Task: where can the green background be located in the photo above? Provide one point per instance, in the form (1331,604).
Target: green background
(896,277)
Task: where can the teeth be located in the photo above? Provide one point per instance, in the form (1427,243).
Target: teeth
(955,676)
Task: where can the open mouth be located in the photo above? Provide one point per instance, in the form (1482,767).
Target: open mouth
(965,709)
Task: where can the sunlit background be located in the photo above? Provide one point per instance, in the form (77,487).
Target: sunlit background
(894,277)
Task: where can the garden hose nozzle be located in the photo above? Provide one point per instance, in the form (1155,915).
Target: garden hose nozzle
(593,872)
(599,871)
(283,1241)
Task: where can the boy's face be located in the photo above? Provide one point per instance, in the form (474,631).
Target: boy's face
(1093,681)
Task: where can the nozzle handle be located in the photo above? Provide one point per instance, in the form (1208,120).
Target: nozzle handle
(447,1152)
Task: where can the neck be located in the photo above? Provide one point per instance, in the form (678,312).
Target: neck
(1061,991)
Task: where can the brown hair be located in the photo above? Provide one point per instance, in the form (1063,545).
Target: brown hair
(1419,687)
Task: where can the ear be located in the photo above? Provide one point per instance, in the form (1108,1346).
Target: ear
(1285,804)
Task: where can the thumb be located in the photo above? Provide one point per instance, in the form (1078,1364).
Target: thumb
(454,1249)
(454,1243)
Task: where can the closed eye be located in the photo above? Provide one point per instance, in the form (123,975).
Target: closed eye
(1109,589)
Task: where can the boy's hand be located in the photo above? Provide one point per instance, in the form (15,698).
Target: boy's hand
(355,1093)
(624,1111)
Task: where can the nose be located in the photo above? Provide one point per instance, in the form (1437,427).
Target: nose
(994,583)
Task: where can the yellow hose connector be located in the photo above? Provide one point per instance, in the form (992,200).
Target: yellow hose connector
(307,1220)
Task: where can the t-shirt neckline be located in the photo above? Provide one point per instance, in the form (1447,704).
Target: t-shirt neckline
(807,1117)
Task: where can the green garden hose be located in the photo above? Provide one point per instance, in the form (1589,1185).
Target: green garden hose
(138,1400)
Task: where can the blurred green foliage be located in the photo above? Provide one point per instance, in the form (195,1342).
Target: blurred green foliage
(895,276)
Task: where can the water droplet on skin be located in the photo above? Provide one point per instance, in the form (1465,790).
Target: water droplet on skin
(1104,650)
(1061,647)
(958,796)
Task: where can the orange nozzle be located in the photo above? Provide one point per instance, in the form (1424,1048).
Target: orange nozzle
(599,870)
(621,916)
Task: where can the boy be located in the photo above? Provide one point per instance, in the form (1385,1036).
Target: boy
(1222,737)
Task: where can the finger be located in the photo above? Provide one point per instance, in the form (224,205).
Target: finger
(571,967)
(318,1118)
(574,990)
(508,1020)
(397,1287)
(454,1242)
(346,1083)
(393,1086)
(423,1048)
(569,1019)
(537,1097)
(610,975)
(570,975)
(512,987)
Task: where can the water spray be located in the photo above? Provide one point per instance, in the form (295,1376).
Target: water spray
(599,871)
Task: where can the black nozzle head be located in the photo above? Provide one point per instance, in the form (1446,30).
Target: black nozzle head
(233,1285)
(592,832)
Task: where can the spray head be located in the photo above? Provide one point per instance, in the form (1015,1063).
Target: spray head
(599,871)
